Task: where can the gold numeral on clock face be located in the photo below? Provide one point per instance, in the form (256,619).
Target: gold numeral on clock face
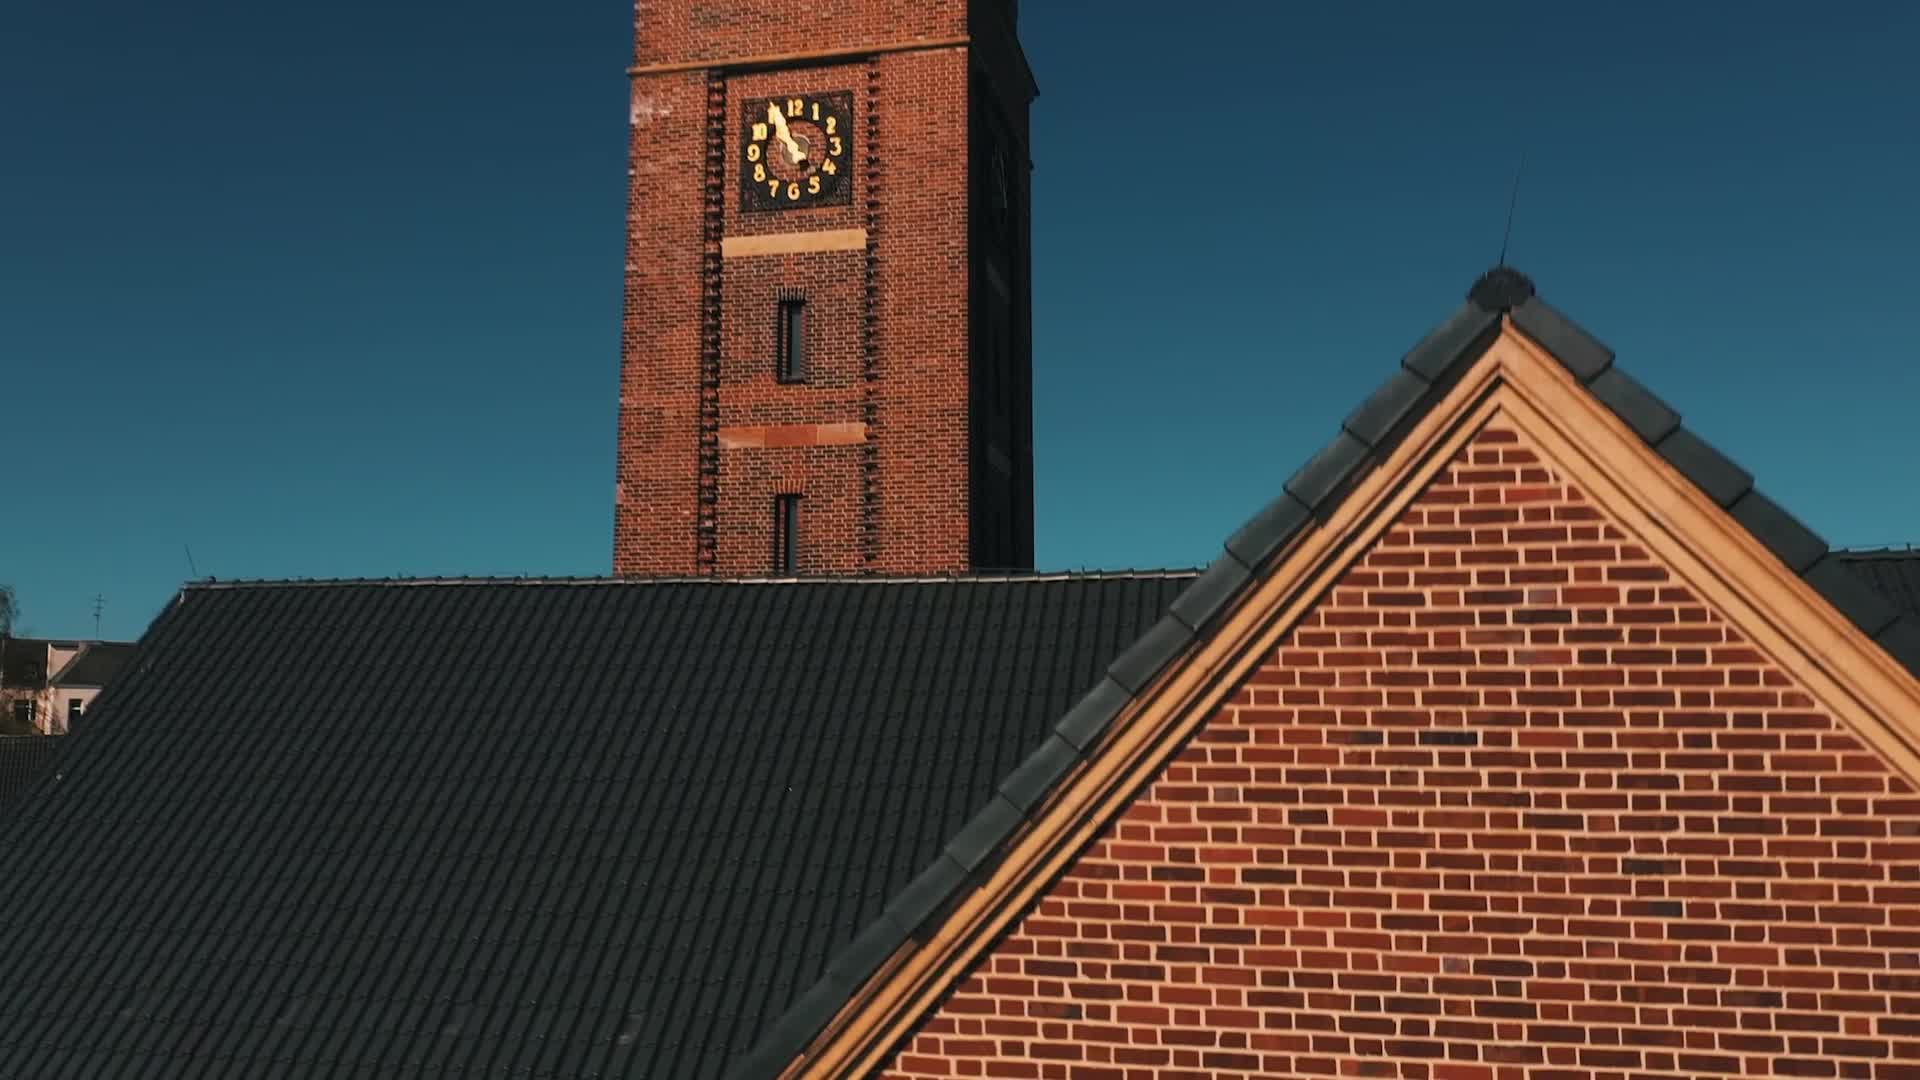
(798,149)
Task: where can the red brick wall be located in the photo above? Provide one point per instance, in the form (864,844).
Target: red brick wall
(923,313)
(917,103)
(1512,802)
(833,284)
(654,494)
(685,31)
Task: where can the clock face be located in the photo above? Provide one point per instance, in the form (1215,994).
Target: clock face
(797,151)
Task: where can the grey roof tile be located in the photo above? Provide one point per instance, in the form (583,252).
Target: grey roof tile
(1578,351)
(1150,654)
(1089,718)
(1894,574)
(1854,598)
(1466,333)
(1394,401)
(1257,541)
(1722,480)
(1327,472)
(994,823)
(927,893)
(26,760)
(1901,639)
(1648,416)
(1211,592)
(1791,542)
(858,959)
(1037,775)
(790,1031)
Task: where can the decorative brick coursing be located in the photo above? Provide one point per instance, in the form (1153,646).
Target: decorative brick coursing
(686,31)
(654,499)
(918,302)
(1512,801)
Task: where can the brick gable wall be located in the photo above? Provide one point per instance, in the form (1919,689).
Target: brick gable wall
(1510,802)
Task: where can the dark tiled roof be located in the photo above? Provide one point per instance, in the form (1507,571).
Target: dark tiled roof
(23,760)
(23,663)
(1365,438)
(96,665)
(1894,574)
(521,828)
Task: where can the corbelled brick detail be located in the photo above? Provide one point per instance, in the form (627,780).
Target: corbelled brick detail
(890,337)
(1512,801)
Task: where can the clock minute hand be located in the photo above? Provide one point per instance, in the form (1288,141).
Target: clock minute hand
(780,128)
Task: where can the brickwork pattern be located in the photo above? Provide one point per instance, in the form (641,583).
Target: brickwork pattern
(656,468)
(1512,802)
(906,298)
(751,393)
(687,31)
(921,286)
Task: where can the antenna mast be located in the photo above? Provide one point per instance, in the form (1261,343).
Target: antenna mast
(1512,201)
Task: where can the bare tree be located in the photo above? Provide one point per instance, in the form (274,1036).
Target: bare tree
(9,610)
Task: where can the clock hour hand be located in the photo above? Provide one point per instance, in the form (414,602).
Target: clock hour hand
(786,137)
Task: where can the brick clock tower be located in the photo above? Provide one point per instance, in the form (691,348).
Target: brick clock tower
(826,352)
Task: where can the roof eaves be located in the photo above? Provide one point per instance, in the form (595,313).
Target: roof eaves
(991,578)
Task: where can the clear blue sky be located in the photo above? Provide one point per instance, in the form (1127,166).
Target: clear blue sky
(333,290)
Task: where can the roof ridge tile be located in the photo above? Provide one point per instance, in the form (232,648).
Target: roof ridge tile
(1578,351)
(1212,592)
(1325,475)
(1142,661)
(1088,720)
(1636,406)
(1712,472)
(1795,545)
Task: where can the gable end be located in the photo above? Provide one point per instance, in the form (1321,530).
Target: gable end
(1152,675)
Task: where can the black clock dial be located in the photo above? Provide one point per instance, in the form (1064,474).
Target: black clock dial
(797,151)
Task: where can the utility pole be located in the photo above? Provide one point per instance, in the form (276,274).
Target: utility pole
(99,602)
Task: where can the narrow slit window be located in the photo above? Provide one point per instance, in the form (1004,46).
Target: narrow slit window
(786,535)
(793,340)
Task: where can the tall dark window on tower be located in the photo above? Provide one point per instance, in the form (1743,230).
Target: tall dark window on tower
(792,363)
(786,534)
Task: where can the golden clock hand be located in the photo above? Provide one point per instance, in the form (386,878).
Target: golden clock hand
(780,128)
